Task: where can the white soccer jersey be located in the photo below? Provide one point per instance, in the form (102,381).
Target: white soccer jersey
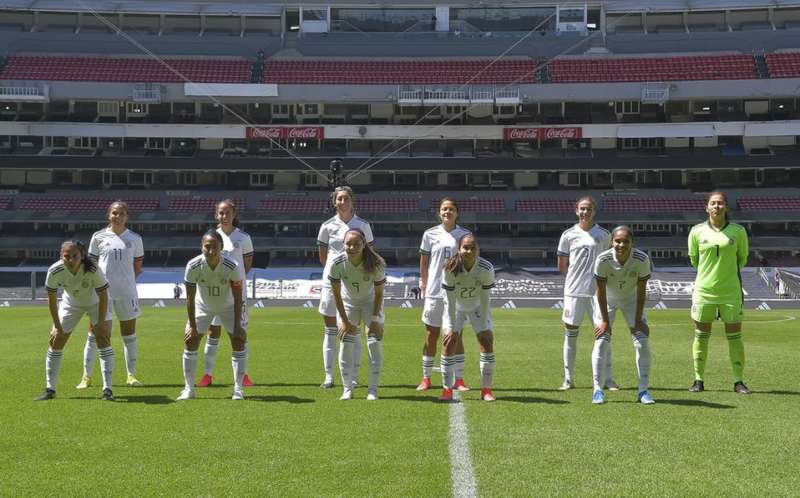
(80,289)
(358,286)
(582,248)
(622,279)
(439,244)
(115,255)
(469,285)
(214,285)
(331,236)
(237,245)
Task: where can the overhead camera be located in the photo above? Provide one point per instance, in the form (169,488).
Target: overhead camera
(335,177)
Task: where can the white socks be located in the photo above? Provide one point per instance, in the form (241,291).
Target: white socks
(89,355)
(375,349)
(448,364)
(459,366)
(357,358)
(106,365)
(487,370)
(189,368)
(427,366)
(329,351)
(210,354)
(131,351)
(239,364)
(641,344)
(570,350)
(347,359)
(52,365)
(600,351)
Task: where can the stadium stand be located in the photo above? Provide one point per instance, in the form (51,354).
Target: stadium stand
(5,203)
(784,65)
(488,205)
(84,204)
(769,203)
(200,204)
(646,204)
(301,205)
(545,205)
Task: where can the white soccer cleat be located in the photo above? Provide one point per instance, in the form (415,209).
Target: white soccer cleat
(186,394)
(237,394)
(346,395)
(566,386)
(372,395)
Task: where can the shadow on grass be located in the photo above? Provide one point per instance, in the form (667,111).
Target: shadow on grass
(294,400)
(529,389)
(156,386)
(427,399)
(150,399)
(532,399)
(277,384)
(694,402)
(779,393)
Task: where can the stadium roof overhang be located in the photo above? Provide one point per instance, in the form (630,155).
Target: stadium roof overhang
(177,7)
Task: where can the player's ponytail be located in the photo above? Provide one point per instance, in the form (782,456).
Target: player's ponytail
(455,263)
(372,261)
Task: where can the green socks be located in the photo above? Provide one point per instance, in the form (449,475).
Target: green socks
(700,352)
(736,352)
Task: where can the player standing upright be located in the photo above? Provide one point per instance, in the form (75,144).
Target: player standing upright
(577,250)
(85,292)
(236,244)
(622,273)
(718,249)
(119,252)
(331,245)
(439,243)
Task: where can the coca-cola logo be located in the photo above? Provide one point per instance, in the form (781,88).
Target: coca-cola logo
(284,132)
(550,133)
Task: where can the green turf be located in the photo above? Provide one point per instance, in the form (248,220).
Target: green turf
(289,438)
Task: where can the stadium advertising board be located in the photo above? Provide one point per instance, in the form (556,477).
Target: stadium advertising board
(547,133)
(286,132)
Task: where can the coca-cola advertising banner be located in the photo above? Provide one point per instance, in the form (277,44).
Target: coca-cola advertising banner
(550,133)
(284,132)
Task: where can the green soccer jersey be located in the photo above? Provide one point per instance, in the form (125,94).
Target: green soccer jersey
(718,256)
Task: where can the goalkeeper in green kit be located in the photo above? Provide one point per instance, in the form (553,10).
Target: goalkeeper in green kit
(718,249)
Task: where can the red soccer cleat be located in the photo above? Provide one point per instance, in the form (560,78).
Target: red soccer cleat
(487,395)
(447,394)
(425,384)
(460,385)
(205,381)
(246,382)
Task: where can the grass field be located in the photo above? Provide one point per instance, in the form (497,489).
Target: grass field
(289,438)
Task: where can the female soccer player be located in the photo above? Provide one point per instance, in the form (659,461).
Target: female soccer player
(331,245)
(220,280)
(438,244)
(621,273)
(718,249)
(577,250)
(119,252)
(236,244)
(85,292)
(357,279)
(468,279)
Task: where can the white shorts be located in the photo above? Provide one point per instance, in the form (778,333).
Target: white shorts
(357,314)
(628,309)
(69,315)
(217,321)
(204,318)
(126,308)
(575,308)
(327,304)
(433,312)
(479,323)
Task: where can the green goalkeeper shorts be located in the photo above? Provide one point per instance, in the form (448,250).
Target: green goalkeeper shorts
(707,313)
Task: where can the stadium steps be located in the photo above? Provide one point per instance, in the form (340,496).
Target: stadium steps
(762,68)
(543,74)
(755,286)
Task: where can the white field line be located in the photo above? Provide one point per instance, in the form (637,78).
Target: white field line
(461,471)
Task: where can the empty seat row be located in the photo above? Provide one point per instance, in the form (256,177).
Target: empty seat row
(200,204)
(85,204)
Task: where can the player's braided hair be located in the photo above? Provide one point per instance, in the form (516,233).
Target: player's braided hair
(372,261)
(455,263)
(86,261)
(624,228)
(213,233)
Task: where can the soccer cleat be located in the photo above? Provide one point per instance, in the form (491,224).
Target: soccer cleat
(372,395)
(740,388)
(133,381)
(186,394)
(347,394)
(107,395)
(354,385)
(566,386)
(598,398)
(646,398)
(698,387)
(447,394)
(487,395)
(327,384)
(459,385)
(612,386)
(46,395)
(85,382)
(237,394)
(425,384)
(205,381)
(246,382)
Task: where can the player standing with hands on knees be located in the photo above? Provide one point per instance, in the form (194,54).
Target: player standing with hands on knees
(85,293)
(718,249)
(622,273)
(214,289)
(468,280)
(357,279)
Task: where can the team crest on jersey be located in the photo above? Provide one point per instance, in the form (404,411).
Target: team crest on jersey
(731,241)
(85,284)
(366,278)
(127,244)
(222,280)
(236,245)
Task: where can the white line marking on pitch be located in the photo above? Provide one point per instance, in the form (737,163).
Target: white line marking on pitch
(461,470)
